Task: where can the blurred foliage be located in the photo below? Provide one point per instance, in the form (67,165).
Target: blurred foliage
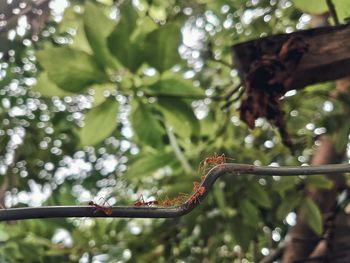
(91,106)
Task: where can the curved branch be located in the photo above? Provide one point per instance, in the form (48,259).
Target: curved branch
(160,212)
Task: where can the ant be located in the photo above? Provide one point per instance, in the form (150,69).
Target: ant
(141,202)
(195,197)
(198,191)
(178,200)
(212,160)
(105,209)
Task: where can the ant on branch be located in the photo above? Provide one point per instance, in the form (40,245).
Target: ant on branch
(107,209)
(198,192)
(178,200)
(141,202)
(216,159)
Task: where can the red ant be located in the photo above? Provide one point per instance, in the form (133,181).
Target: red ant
(213,160)
(178,200)
(198,191)
(195,197)
(141,202)
(105,209)
(167,202)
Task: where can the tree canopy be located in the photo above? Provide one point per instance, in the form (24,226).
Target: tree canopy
(117,99)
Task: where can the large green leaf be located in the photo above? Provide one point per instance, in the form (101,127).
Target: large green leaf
(149,163)
(342,7)
(49,89)
(99,90)
(120,44)
(258,194)
(319,181)
(312,215)
(72,70)
(249,212)
(100,122)
(284,184)
(243,234)
(174,84)
(73,22)
(162,47)
(220,198)
(146,126)
(97,28)
(287,205)
(180,116)
(311,6)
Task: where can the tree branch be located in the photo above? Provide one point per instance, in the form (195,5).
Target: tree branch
(160,212)
(332,11)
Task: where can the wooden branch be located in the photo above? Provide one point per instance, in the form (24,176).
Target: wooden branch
(271,66)
(332,11)
(218,171)
(327,56)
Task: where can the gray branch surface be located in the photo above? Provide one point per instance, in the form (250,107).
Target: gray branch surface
(228,169)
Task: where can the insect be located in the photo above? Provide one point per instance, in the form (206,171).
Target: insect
(107,209)
(212,161)
(195,197)
(178,200)
(141,202)
(198,191)
(167,202)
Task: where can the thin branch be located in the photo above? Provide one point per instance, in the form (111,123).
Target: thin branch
(332,11)
(160,212)
(223,62)
(233,91)
(178,153)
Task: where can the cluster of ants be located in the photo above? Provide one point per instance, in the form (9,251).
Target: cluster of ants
(197,191)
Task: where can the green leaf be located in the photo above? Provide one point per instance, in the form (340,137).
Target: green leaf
(100,122)
(147,128)
(180,116)
(220,198)
(97,28)
(249,212)
(162,47)
(243,234)
(72,70)
(319,181)
(4,236)
(284,184)
(258,194)
(312,215)
(311,6)
(49,89)
(73,20)
(174,84)
(342,7)
(119,42)
(99,90)
(340,136)
(149,163)
(288,204)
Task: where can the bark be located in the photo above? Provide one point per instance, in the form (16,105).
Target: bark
(326,200)
(302,240)
(271,66)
